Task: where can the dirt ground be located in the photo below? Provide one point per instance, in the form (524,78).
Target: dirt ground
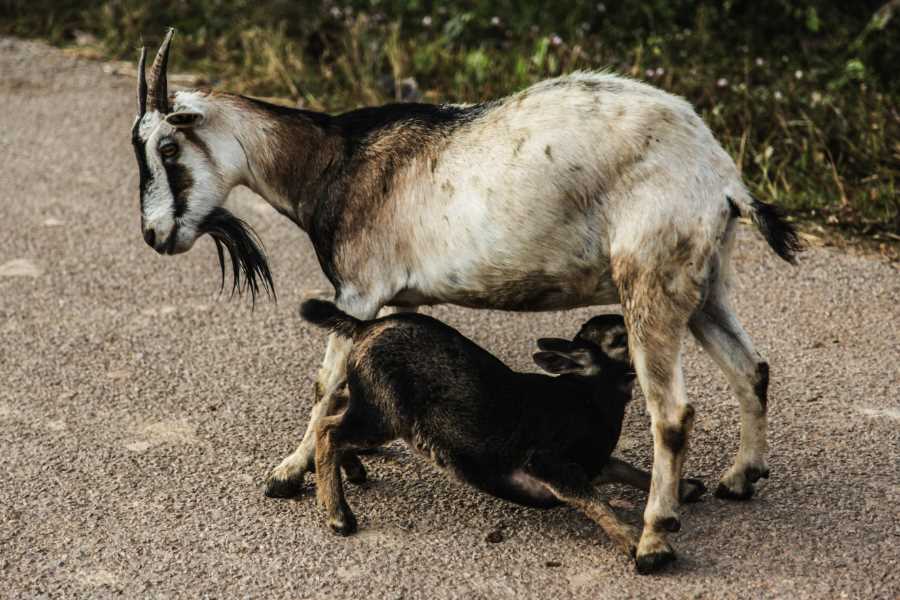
(140,411)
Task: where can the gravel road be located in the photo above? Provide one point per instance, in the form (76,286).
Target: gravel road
(140,411)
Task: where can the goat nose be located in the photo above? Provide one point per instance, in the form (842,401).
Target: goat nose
(150,237)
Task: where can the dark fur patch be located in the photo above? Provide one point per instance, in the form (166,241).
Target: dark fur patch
(140,153)
(180,183)
(668,524)
(674,438)
(779,233)
(327,315)
(249,265)
(761,387)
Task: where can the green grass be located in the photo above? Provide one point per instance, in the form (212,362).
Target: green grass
(803,95)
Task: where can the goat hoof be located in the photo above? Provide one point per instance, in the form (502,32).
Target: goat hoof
(283,488)
(343,525)
(653,562)
(726,493)
(692,490)
(354,470)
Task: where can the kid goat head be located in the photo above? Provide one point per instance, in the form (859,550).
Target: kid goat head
(187,163)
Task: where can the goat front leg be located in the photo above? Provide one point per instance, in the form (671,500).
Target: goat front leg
(570,484)
(619,471)
(671,420)
(286,480)
(657,303)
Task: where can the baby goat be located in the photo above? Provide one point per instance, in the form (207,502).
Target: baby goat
(525,437)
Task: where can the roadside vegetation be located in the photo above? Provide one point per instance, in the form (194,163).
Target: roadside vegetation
(803,94)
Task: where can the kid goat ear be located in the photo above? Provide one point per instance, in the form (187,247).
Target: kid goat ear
(556,363)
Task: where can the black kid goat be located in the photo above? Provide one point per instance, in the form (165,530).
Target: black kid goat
(525,437)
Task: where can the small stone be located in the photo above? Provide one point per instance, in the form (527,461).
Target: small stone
(552,563)
(494,537)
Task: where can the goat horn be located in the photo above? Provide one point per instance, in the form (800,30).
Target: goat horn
(158,97)
(142,83)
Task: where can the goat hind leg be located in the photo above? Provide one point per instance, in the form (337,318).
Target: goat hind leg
(286,480)
(329,489)
(620,471)
(337,436)
(570,484)
(721,335)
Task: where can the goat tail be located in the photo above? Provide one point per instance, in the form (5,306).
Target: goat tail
(770,219)
(328,316)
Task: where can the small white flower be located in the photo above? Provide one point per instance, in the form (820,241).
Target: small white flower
(798,74)
(660,71)
(778,95)
(722,82)
(555,40)
(760,62)
(336,12)
(495,21)
(601,7)
(816,97)
(426,21)
(649,72)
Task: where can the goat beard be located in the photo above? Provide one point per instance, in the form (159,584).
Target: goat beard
(249,265)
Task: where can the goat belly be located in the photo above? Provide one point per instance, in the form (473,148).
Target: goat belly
(490,287)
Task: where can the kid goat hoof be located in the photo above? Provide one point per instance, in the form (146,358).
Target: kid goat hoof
(344,525)
(692,490)
(354,471)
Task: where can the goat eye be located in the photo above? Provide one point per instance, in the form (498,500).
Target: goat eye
(168,150)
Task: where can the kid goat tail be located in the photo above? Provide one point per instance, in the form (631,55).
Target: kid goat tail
(770,219)
(328,316)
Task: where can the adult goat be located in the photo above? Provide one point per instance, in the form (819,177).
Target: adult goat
(582,190)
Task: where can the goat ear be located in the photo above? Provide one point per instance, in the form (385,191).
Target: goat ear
(184,119)
(555,345)
(558,364)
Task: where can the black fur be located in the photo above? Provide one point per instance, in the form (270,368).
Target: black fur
(674,438)
(140,153)
(327,315)
(781,235)
(180,183)
(761,387)
(249,265)
(356,182)
(416,378)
